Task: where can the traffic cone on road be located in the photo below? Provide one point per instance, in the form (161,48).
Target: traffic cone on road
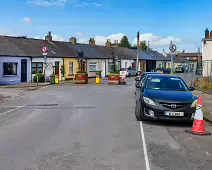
(198,127)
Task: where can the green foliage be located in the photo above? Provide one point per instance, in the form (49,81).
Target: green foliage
(40,78)
(125,42)
(62,70)
(142,46)
(82,72)
(114,72)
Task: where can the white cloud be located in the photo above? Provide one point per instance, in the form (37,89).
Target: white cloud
(61,3)
(100,40)
(79,34)
(54,38)
(97,4)
(27,20)
(157,41)
(48,3)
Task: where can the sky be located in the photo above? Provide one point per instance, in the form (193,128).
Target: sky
(159,21)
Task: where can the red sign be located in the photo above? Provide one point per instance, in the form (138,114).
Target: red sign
(44,49)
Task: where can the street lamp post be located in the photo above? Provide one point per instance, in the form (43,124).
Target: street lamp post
(44,52)
(138,36)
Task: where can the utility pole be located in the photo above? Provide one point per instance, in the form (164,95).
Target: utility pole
(148,45)
(138,36)
(171,59)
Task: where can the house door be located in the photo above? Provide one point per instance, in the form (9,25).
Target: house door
(24,70)
(103,69)
(57,69)
(119,65)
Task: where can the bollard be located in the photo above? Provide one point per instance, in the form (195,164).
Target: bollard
(97,79)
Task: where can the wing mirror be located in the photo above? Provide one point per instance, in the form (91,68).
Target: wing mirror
(191,88)
(137,79)
(138,85)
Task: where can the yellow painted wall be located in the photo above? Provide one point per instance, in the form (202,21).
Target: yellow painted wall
(66,64)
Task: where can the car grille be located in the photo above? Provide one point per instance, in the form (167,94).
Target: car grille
(178,105)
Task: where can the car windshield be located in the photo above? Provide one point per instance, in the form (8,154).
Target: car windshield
(165,83)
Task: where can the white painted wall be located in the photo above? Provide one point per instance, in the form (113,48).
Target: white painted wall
(98,67)
(207,57)
(50,63)
(14,79)
(128,63)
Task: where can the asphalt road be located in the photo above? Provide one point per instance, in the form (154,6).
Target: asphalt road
(92,127)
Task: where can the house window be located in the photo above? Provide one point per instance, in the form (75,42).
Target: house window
(10,68)
(71,68)
(37,68)
(93,66)
(111,67)
(125,64)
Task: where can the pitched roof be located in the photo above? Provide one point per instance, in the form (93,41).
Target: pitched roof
(121,52)
(89,50)
(22,46)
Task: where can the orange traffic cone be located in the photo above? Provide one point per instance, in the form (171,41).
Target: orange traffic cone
(198,127)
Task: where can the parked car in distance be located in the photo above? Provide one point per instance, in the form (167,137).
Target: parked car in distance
(163,96)
(162,70)
(179,69)
(128,72)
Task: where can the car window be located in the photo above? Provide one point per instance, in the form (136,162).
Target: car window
(166,83)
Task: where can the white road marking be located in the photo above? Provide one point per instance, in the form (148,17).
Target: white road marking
(10,106)
(144,147)
(11,110)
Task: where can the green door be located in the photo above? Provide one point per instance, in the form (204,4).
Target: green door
(119,65)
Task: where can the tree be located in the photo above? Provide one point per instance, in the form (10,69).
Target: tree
(142,46)
(124,42)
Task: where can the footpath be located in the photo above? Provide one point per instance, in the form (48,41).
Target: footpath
(207,104)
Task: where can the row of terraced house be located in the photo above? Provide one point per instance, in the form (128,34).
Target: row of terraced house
(21,58)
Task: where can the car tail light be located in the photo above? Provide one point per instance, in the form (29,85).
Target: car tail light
(126,69)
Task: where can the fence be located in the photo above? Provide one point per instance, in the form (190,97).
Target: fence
(199,75)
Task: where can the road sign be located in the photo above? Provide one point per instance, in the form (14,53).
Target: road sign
(44,54)
(172,48)
(44,49)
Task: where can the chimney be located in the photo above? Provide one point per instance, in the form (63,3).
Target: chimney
(73,40)
(108,43)
(116,43)
(48,37)
(164,53)
(92,41)
(207,34)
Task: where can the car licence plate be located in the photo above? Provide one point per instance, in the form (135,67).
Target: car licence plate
(174,113)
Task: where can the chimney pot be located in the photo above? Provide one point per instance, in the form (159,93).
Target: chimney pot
(73,40)
(48,37)
(207,34)
(92,41)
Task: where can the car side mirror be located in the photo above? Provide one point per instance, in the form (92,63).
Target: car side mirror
(138,85)
(191,88)
(137,79)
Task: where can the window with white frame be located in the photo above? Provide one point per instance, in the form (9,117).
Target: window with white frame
(125,65)
(10,68)
(93,66)
(71,68)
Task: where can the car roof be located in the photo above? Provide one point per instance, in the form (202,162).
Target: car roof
(164,75)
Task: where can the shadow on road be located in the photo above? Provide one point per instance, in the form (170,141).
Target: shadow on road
(168,123)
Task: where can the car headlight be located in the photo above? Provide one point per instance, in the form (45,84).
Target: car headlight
(194,104)
(149,101)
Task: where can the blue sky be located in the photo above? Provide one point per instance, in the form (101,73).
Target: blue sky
(158,21)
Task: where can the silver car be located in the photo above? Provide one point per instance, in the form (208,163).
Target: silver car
(128,72)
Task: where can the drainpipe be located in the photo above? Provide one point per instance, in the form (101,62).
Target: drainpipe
(31,68)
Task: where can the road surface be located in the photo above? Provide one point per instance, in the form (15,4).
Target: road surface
(93,127)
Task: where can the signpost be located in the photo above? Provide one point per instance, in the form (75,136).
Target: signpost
(172,49)
(44,53)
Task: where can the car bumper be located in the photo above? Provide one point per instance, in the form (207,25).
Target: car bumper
(158,113)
